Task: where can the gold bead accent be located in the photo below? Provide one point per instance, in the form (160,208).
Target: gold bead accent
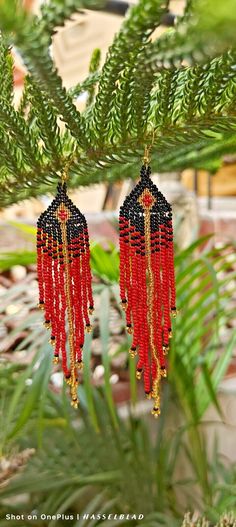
(41,305)
(75,403)
(132,353)
(129,330)
(73,391)
(147,206)
(155,412)
(170,335)
(124,305)
(91,310)
(68,380)
(89,329)
(55,360)
(52,342)
(79,364)
(163,372)
(148,395)
(47,325)
(165,350)
(156,388)
(174,313)
(155,394)
(138,375)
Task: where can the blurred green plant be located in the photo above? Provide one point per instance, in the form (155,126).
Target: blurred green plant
(10,258)
(226,520)
(95,460)
(182,84)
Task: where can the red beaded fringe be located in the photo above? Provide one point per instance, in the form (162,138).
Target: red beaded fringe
(147,280)
(65,283)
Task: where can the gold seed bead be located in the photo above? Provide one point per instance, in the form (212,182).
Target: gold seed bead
(155,389)
(138,375)
(91,310)
(88,329)
(55,360)
(74,387)
(75,403)
(41,306)
(124,305)
(155,412)
(129,330)
(163,372)
(174,313)
(132,353)
(148,395)
(79,364)
(170,335)
(47,325)
(68,381)
(73,390)
(165,349)
(52,342)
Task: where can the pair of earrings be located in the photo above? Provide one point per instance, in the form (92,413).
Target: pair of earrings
(147,281)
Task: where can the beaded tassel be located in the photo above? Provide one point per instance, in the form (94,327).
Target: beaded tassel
(64,278)
(147,280)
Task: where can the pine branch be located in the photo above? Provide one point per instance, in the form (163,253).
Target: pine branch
(121,123)
(223,92)
(45,120)
(33,44)
(24,101)
(85,85)
(142,20)
(172,143)
(181,95)
(142,85)
(55,14)
(40,65)
(208,32)
(176,148)
(14,124)
(93,70)
(204,154)
(10,156)
(6,70)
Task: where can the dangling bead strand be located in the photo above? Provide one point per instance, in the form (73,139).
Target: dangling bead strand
(147,283)
(64,275)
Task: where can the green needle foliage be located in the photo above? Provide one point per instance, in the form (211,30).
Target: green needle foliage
(182,85)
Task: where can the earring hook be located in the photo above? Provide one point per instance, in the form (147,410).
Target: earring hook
(68,163)
(147,150)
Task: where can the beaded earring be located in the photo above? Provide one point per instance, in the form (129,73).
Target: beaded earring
(147,279)
(64,279)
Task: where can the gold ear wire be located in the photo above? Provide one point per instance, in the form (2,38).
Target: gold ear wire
(64,174)
(68,163)
(147,150)
(146,157)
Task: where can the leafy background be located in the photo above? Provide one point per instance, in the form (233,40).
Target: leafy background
(181,85)
(72,469)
